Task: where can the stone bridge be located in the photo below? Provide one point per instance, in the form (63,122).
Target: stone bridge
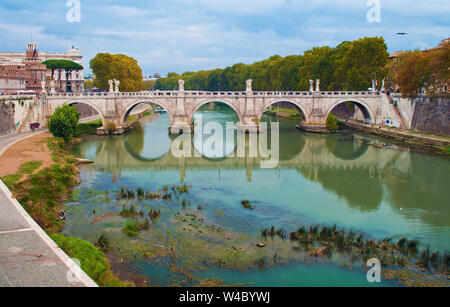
(314,106)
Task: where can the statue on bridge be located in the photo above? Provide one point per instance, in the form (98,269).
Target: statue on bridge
(111,86)
(317,85)
(43,91)
(249,85)
(52,87)
(181,85)
(117,83)
(311,85)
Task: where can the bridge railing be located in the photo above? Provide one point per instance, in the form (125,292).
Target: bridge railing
(218,94)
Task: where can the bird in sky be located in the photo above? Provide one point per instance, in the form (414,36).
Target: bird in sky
(402,33)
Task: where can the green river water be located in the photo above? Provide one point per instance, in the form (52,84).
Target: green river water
(351,180)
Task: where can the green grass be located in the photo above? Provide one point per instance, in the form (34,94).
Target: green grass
(93,262)
(10,180)
(42,193)
(89,128)
(29,167)
(130,228)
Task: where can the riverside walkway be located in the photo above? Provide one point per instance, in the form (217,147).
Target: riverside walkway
(28,257)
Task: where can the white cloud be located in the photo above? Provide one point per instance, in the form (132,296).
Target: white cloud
(125,11)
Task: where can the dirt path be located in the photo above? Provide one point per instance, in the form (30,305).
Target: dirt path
(31,149)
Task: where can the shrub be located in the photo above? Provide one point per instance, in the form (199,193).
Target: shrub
(63,122)
(332,123)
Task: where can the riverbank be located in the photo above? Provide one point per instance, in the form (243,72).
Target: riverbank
(41,174)
(422,142)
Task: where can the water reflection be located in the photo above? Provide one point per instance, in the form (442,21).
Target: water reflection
(366,177)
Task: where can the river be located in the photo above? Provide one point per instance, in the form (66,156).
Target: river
(351,180)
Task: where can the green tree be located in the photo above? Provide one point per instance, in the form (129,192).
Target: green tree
(107,66)
(349,66)
(63,122)
(358,62)
(62,65)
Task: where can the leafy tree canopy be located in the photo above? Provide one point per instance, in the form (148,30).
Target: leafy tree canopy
(349,66)
(417,70)
(62,64)
(107,66)
(63,122)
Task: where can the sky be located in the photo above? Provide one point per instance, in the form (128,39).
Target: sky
(190,35)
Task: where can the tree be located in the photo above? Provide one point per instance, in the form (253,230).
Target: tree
(60,65)
(419,70)
(107,66)
(63,122)
(349,66)
(357,63)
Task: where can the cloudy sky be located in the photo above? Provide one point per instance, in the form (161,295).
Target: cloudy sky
(188,35)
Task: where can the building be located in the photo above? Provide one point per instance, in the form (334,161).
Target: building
(29,72)
(12,77)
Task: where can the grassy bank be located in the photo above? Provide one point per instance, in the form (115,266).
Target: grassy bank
(42,194)
(286,113)
(89,128)
(93,262)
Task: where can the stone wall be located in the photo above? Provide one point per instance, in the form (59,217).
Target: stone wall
(344,111)
(432,115)
(85,110)
(7,125)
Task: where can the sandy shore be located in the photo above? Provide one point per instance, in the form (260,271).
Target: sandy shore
(30,149)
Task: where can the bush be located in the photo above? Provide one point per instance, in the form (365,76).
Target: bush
(332,123)
(63,122)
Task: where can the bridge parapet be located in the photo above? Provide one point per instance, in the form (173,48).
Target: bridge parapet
(219,94)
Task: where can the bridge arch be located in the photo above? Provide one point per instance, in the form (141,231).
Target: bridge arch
(199,105)
(71,103)
(131,106)
(363,106)
(300,109)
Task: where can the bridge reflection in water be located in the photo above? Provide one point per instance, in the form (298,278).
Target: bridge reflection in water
(365,175)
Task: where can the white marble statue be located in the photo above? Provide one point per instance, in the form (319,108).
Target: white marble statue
(111,86)
(181,85)
(43,91)
(117,83)
(317,85)
(52,87)
(311,85)
(249,85)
